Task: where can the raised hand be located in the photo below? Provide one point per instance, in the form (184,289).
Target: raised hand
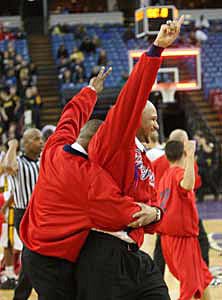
(13,143)
(97,82)
(168,33)
(190,147)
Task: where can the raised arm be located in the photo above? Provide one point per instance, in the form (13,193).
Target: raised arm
(10,164)
(77,112)
(188,181)
(122,121)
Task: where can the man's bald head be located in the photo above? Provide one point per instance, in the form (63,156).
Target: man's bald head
(179,135)
(30,133)
(32,142)
(149,108)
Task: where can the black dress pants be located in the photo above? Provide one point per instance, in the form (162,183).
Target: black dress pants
(24,288)
(111,269)
(51,277)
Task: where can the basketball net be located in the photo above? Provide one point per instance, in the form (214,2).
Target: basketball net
(168,92)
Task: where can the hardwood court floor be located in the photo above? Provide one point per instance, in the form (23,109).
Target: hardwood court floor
(215,260)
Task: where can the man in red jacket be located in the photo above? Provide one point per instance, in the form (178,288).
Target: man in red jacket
(72,195)
(160,165)
(120,273)
(179,227)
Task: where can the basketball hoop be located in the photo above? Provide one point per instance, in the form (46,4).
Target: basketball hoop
(168,92)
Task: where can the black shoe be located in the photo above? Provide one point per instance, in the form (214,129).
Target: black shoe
(8,284)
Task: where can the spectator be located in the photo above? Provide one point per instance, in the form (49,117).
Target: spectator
(24,81)
(128,34)
(29,101)
(6,58)
(47,131)
(79,75)
(9,65)
(16,99)
(37,106)
(202,22)
(65,28)
(205,160)
(10,78)
(20,35)
(67,77)
(62,52)
(33,102)
(7,108)
(80,32)
(58,10)
(102,60)
(96,41)
(18,61)
(8,35)
(57,30)
(11,50)
(63,65)
(33,73)
(87,45)
(76,55)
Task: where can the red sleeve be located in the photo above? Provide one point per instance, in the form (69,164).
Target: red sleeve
(119,129)
(75,114)
(179,177)
(198,181)
(108,209)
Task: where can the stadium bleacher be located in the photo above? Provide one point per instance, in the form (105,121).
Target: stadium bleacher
(111,37)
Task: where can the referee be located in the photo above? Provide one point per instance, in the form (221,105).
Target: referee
(24,170)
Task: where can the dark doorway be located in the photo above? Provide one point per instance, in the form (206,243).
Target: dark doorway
(32,14)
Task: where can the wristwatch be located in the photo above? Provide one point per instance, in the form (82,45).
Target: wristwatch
(158,214)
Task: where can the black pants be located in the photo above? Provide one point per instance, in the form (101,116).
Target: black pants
(204,246)
(110,269)
(51,277)
(24,288)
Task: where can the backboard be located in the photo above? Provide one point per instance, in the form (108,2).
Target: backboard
(181,67)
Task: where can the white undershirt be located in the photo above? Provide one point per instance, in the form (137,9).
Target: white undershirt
(155,153)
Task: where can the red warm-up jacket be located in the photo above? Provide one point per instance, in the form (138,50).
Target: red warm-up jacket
(72,194)
(113,146)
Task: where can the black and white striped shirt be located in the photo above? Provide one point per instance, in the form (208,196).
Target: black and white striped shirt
(24,181)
